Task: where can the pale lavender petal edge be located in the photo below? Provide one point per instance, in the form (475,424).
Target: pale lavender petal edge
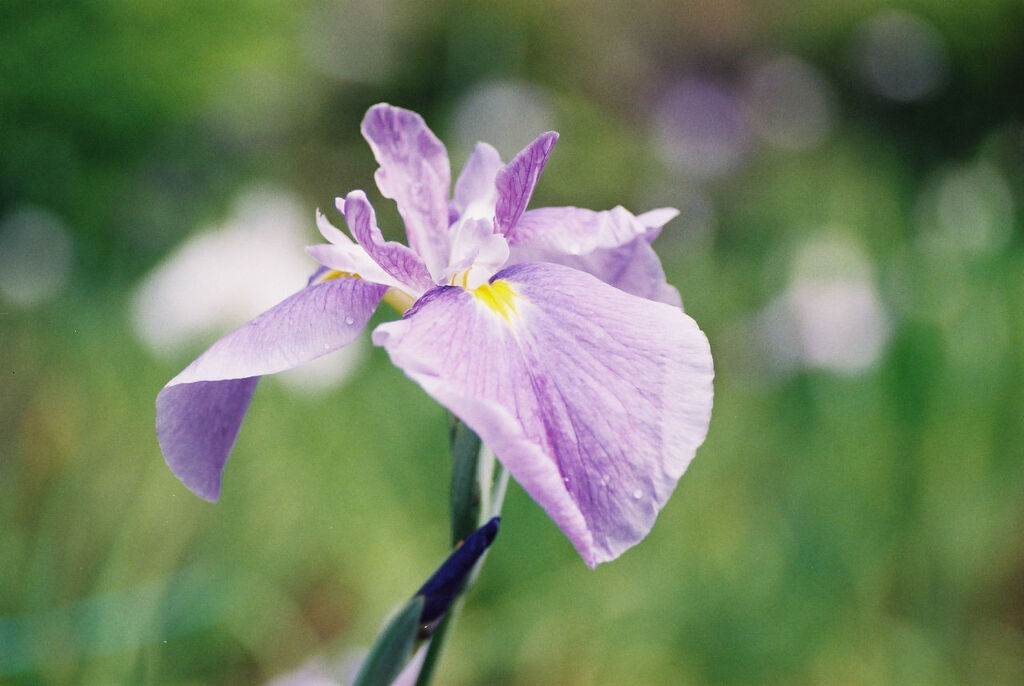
(613,245)
(634,268)
(575,230)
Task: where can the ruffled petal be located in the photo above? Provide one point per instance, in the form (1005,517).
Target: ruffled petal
(199,412)
(516,181)
(475,187)
(414,172)
(612,245)
(394,258)
(595,400)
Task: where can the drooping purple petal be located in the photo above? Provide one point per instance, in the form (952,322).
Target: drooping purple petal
(396,259)
(475,186)
(414,172)
(199,412)
(197,424)
(594,399)
(612,245)
(516,181)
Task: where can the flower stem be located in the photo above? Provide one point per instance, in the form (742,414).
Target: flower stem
(478,492)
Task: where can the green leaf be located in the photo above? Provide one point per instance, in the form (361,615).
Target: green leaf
(394,647)
(465,496)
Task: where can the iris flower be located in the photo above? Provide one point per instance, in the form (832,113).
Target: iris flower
(551,333)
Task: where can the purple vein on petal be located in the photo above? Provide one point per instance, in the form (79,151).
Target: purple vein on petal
(516,181)
(394,258)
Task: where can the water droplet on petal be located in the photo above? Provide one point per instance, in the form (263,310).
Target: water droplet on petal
(327,346)
(350,321)
(638,494)
(575,249)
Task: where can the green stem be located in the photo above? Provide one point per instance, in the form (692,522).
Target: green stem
(478,492)
(436,645)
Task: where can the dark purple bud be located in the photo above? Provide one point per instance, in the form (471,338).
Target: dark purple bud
(441,589)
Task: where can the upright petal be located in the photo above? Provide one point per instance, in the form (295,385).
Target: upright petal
(199,412)
(414,172)
(475,187)
(516,181)
(612,245)
(594,399)
(396,259)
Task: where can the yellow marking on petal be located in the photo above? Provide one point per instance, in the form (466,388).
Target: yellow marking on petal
(499,297)
(400,300)
(336,274)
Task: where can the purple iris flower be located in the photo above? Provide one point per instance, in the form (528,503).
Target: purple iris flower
(552,333)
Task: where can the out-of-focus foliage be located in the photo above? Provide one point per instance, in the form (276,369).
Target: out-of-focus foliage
(851,180)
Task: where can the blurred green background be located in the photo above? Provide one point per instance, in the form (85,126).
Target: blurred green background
(851,180)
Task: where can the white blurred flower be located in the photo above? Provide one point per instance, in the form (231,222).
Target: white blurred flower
(830,316)
(900,56)
(506,113)
(969,206)
(789,103)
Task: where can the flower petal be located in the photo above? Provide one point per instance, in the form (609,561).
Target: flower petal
(396,259)
(199,412)
(345,255)
(595,400)
(197,424)
(414,172)
(612,245)
(331,232)
(475,187)
(476,248)
(576,231)
(654,220)
(350,259)
(516,181)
